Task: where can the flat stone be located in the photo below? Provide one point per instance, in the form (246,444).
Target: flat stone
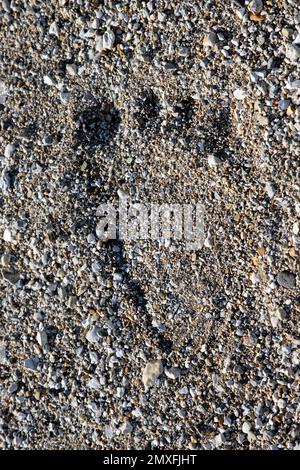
(173,373)
(220,439)
(31,363)
(256,6)
(11,276)
(246,428)
(286,279)
(210,40)
(213,161)
(72,301)
(108,40)
(5,260)
(94,384)
(7,237)
(13,388)
(126,428)
(9,150)
(240,94)
(53,29)
(5,181)
(274,321)
(292,52)
(47,140)
(151,372)
(42,338)
(49,80)
(270,190)
(93,335)
(72,69)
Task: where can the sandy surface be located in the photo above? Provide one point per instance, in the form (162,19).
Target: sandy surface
(124,344)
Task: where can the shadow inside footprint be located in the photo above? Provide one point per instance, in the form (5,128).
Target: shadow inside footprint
(96,125)
(147,111)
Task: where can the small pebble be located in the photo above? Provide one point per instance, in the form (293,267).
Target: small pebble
(240,94)
(213,161)
(126,428)
(108,40)
(173,373)
(9,150)
(7,236)
(151,372)
(31,363)
(93,335)
(246,428)
(210,40)
(292,52)
(286,279)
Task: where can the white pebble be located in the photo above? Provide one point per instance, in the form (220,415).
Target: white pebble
(292,52)
(7,235)
(240,94)
(93,334)
(173,373)
(108,40)
(151,372)
(9,150)
(42,338)
(94,384)
(49,81)
(213,161)
(246,428)
(270,190)
(71,69)
(53,29)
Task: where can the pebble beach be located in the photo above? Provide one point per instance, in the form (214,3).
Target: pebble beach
(144,344)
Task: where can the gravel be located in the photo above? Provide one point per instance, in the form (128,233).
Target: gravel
(149,344)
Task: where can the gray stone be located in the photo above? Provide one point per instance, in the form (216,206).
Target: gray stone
(42,338)
(94,384)
(286,279)
(210,40)
(108,40)
(72,69)
(246,428)
(11,276)
(255,6)
(9,150)
(93,335)
(173,373)
(126,428)
(270,190)
(213,161)
(13,388)
(31,363)
(5,181)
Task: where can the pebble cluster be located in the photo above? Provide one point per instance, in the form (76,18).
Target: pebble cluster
(137,344)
